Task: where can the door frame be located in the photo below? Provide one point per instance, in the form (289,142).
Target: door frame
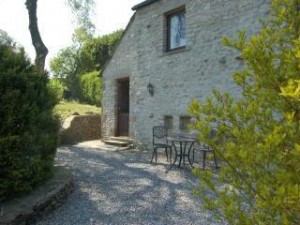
(117,105)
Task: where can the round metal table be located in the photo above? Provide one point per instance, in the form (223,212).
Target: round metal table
(183,147)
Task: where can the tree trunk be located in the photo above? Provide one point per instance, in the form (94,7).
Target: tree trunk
(40,48)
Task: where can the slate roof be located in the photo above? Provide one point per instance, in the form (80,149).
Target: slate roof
(143,4)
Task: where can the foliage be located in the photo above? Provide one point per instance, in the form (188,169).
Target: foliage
(57,88)
(91,91)
(93,54)
(28,132)
(81,35)
(72,62)
(5,39)
(82,9)
(258,135)
(65,64)
(13,58)
(65,68)
(65,109)
(96,52)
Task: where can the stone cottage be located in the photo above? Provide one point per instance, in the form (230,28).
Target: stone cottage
(169,55)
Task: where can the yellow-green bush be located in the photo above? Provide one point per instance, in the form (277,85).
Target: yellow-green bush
(258,134)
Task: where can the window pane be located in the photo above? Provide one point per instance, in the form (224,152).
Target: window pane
(168,120)
(184,123)
(177,30)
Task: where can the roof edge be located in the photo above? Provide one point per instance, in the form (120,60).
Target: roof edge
(143,4)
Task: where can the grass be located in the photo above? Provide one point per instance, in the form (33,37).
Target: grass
(65,109)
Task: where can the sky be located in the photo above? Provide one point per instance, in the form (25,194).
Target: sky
(56,22)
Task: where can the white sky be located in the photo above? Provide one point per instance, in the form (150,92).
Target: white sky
(56,23)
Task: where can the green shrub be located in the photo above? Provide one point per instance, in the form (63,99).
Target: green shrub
(90,85)
(28,131)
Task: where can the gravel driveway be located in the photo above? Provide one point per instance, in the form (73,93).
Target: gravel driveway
(121,187)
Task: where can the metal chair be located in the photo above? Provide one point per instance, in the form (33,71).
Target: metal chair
(160,134)
(205,149)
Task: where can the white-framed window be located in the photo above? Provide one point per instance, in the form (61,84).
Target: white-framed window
(176,30)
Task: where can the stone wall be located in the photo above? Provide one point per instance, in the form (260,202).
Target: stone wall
(80,128)
(177,76)
(40,201)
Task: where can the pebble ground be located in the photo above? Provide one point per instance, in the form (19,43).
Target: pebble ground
(121,187)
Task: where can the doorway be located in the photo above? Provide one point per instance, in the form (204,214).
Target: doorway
(122,126)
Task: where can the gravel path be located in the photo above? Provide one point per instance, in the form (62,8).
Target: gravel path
(121,187)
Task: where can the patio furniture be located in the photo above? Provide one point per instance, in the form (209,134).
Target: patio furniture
(185,145)
(159,140)
(205,149)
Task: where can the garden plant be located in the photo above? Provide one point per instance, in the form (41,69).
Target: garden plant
(28,131)
(258,140)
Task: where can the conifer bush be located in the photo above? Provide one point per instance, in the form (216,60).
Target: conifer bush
(28,131)
(258,139)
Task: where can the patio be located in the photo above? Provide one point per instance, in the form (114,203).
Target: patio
(114,186)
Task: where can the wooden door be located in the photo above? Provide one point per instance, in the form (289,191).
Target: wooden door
(122,107)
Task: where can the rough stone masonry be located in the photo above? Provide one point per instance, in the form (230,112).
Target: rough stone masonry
(179,76)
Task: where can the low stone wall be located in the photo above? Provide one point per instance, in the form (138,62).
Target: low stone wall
(41,201)
(80,128)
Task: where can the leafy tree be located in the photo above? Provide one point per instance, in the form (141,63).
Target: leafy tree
(82,9)
(28,131)
(72,62)
(5,39)
(92,55)
(96,52)
(80,36)
(65,68)
(258,135)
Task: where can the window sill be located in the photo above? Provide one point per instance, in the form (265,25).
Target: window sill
(175,51)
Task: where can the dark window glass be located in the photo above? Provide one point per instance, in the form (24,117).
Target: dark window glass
(168,120)
(184,122)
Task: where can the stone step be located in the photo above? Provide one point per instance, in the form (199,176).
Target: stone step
(116,143)
(122,138)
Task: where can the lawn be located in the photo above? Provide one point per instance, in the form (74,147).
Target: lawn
(65,109)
